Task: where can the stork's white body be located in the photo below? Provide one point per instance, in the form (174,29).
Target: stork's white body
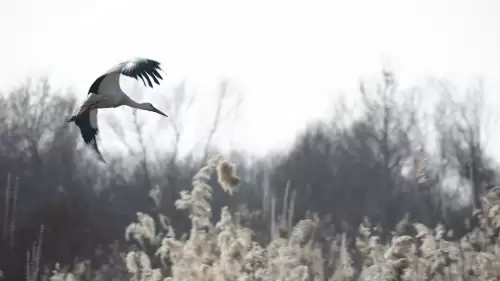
(106,92)
(114,96)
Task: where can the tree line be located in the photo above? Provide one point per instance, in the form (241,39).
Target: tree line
(394,159)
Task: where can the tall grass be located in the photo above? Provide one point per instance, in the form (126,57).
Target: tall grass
(227,250)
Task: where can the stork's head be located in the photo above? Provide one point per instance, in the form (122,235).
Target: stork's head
(150,107)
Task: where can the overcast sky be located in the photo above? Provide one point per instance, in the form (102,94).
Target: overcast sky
(289,58)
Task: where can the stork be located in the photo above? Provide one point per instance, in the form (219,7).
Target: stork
(106,92)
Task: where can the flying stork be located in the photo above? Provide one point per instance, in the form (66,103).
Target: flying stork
(106,92)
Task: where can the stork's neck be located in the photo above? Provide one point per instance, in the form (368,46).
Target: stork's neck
(132,103)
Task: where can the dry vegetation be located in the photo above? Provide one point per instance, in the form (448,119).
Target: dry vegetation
(227,250)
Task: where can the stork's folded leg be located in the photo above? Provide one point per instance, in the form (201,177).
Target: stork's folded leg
(82,111)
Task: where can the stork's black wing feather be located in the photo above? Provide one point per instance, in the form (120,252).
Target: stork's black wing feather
(88,132)
(145,69)
(94,88)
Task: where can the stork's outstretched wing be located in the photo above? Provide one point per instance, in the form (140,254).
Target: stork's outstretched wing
(87,122)
(145,69)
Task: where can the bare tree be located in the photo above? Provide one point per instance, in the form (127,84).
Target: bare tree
(156,164)
(40,150)
(393,115)
(461,125)
(178,107)
(225,109)
(35,125)
(138,148)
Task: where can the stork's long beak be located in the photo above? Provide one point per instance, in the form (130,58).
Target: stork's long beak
(159,112)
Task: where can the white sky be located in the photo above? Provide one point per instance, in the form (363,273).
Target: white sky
(289,58)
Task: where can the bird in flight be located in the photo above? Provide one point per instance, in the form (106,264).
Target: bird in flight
(106,92)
